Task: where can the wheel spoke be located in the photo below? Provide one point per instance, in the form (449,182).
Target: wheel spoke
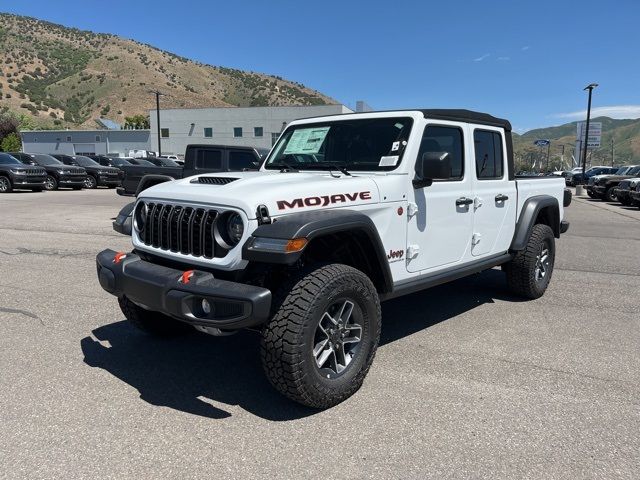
(341,361)
(353,334)
(327,317)
(322,354)
(345,312)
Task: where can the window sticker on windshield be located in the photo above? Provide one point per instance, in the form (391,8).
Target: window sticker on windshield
(395,146)
(390,161)
(306,140)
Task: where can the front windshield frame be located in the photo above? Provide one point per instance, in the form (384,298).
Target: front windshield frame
(83,161)
(44,159)
(6,159)
(274,161)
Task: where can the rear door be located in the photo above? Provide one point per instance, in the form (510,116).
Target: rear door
(439,233)
(494,195)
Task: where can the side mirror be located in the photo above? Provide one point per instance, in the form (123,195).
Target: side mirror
(432,166)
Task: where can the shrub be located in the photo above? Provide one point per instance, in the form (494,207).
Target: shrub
(11,143)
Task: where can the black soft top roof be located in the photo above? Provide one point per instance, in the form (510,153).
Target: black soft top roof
(461,115)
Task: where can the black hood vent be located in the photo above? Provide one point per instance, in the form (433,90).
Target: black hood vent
(214,180)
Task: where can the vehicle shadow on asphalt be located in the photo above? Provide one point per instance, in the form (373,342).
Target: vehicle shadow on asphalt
(189,372)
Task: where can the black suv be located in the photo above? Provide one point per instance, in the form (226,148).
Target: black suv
(605,186)
(58,174)
(97,175)
(16,175)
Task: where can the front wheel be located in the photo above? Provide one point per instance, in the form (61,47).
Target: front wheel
(5,185)
(591,194)
(319,345)
(50,183)
(529,272)
(610,195)
(90,182)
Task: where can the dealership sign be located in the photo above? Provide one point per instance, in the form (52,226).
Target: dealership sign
(595,133)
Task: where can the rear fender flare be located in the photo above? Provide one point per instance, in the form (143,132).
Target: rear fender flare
(528,216)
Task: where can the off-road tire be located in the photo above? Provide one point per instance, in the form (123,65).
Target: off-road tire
(521,270)
(51,183)
(288,339)
(152,323)
(610,195)
(5,185)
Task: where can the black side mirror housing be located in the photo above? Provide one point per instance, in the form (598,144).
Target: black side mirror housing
(432,166)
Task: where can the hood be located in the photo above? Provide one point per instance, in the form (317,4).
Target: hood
(281,193)
(63,167)
(27,167)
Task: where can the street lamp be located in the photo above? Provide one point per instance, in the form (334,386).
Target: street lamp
(589,87)
(157,93)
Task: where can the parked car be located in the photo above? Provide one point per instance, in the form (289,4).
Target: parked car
(577,178)
(347,211)
(97,175)
(58,174)
(624,189)
(604,185)
(198,159)
(635,195)
(15,175)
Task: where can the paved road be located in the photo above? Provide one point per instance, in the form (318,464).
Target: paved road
(468,382)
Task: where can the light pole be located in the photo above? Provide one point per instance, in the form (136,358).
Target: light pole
(589,87)
(157,93)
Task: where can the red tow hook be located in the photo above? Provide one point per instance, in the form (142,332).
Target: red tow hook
(119,257)
(186,276)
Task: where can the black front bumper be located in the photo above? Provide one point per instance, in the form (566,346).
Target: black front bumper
(635,195)
(21,181)
(71,181)
(160,289)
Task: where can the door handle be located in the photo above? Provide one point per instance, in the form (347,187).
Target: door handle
(501,198)
(463,201)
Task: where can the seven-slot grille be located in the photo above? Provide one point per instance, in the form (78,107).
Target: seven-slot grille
(35,171)
(215,180)
(75,171)
(181,229)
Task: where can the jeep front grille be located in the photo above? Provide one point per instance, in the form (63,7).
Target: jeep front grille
(181,229)
(35,171)
(214,180)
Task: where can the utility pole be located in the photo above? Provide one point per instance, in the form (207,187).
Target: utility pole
(548,153)
(562,157)
(589,87)
(157,93)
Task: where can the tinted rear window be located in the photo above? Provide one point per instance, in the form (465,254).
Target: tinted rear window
(209,159)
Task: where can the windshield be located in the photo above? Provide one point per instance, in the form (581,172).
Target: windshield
(119,162)
(146,163)
(369,144)
(43,159)
(633,171)
(86,161)
(6,159)
(167,162)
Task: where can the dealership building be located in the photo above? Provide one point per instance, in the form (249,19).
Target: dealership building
(240,126)
(179,127)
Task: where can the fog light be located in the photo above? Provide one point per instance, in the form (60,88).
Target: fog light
(206,306)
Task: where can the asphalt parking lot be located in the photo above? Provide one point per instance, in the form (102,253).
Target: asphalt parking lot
(468,382)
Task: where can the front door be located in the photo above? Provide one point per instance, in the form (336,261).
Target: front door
(441,215)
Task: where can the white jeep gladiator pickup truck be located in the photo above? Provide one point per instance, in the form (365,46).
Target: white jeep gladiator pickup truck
(345,212)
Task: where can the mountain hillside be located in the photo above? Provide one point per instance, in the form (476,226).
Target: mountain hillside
(624,133)
(65,77)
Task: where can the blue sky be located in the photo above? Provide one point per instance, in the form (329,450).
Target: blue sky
(526,61)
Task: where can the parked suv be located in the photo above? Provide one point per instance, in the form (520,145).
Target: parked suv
(97,175)
(624,189)
(58,174)
(605,186)
(198,159)
(346,211)
(576,178)
(635,195)
(16,175)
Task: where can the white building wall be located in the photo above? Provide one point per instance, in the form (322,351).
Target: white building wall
(187,126)
(73,142)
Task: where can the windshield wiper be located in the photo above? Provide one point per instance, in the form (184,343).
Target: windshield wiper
(285,166)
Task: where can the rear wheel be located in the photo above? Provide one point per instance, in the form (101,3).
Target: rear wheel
(152,323)
(50,183)
(319,345)
(5,185)
(610,195)
(529,273)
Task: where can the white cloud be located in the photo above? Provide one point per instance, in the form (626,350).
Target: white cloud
(482,57)
(525,48)
(613,111)
(504,59)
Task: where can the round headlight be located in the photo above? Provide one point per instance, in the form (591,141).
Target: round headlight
(235,228)
(140,216)
(229,229)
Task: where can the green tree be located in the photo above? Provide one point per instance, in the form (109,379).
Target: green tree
(11,143)
(136,122)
